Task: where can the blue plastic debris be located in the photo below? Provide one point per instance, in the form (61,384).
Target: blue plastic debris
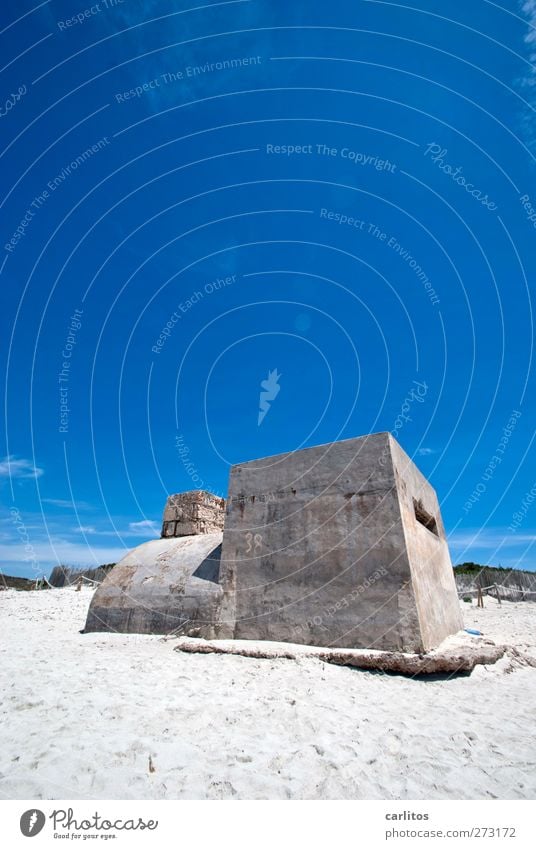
(473,631)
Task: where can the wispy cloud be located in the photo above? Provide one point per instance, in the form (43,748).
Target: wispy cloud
(425,452)
(143,528)
(146,529)
(49,552)
(19,468)
(494,547)
(492,539)
(528,81)
(68,505)
(152,32)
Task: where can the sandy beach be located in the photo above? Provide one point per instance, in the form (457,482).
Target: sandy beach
(101,716)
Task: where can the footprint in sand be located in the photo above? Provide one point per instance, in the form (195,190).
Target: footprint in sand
(220,790)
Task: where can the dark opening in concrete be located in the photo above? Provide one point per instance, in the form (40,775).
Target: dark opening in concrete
(424,517)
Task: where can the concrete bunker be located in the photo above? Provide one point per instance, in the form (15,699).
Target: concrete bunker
(337,545)
(170,584)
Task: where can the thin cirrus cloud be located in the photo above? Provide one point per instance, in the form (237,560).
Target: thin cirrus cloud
(528,82)
(143,528)
(19,468)
(492,539)
(68,505)
(47,552)
(43,551)
(493,548)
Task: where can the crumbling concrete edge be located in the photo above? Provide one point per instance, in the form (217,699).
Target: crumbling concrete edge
(452,657)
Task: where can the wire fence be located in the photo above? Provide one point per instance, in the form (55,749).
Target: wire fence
(66,576)
(502,592)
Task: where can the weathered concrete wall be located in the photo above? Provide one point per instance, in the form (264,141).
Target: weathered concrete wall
(431,569)
(339,545)
(314,550)
(194,512)
(161,586)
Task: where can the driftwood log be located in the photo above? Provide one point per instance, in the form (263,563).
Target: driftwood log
(454,656)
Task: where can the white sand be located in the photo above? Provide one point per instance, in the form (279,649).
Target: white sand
(84,714)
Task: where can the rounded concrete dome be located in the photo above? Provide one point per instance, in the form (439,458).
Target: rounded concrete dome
(162,586)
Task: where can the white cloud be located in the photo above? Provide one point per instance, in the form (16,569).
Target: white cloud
(85,529)
(143,528)
(69,505)
(41,555)
(489,539)
(495,547)
(425,452)
(57,502)
(21,469)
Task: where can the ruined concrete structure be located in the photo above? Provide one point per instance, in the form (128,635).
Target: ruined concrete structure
(169,583)
(339,545)
(160,587)
(196,512)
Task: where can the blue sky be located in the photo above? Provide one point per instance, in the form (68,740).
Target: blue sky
(337,200)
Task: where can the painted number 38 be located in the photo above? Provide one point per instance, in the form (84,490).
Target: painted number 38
(254,542)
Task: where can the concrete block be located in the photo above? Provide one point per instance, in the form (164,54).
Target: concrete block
(338,545)
(194,512)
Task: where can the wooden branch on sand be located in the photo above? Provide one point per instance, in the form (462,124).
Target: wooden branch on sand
(453,657)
